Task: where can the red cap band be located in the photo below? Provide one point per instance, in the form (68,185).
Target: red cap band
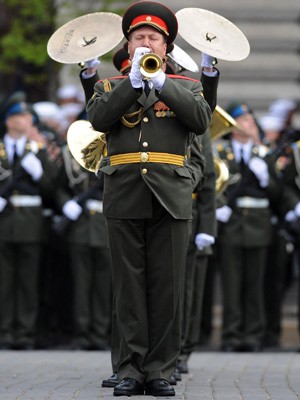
(125,64)
(152,20)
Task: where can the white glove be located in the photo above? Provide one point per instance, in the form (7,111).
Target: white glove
(203,240)
(290,216)
(93,63)
(3,203)
(223,213)
(260,168)
(135,74)
(91,68)
(297,209)
(32,166)
(159,80)
(207,61)
(72,210)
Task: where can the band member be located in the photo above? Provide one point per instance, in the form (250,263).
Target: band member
(245,232)
(26,180)
(148,198)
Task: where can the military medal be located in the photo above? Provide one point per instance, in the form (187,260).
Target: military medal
(162,110)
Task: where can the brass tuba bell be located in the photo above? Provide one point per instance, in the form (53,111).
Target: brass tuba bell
(150,65)
(221,124)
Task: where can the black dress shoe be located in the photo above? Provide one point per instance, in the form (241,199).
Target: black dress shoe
(182,367)
(177,375)
(173,381)
(159,387)
(111,382)
(24,346)
(251,348)
(128,387)
(229,348)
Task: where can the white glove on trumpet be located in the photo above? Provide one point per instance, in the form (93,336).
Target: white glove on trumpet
(32,166)
(135,74)
(260,168)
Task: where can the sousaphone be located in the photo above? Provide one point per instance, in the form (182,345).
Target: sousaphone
(86,145)
(212,34)
(85,38)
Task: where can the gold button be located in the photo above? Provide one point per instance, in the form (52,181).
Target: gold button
(144,157)
(145,119)
(145,144)
(144,170)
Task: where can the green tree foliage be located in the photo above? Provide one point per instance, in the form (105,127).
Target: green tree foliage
(26,40)
(30,24)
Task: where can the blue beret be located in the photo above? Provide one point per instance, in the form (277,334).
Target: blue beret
(17,108)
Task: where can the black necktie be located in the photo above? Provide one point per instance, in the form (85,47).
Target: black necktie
(15,154)
(147,87)
(242,160)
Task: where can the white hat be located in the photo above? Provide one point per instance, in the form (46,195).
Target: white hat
(68,91)
(71,109)
(271,122)
(282,107)
(46,109)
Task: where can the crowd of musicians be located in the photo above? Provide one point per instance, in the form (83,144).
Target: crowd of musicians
(55,265)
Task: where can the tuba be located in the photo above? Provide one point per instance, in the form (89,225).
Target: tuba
(221,124)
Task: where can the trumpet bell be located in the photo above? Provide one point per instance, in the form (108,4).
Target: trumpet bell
(150,65)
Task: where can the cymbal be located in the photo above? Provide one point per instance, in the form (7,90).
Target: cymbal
(85,38)
(212,34)
(82,137)
(181,58)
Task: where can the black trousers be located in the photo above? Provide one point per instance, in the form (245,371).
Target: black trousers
(148,257)
(19,292)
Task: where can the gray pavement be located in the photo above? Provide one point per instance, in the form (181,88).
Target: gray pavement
(69,375)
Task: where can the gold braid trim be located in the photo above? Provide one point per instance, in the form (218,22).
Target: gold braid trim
(132,124)
(107,85)
(107,88)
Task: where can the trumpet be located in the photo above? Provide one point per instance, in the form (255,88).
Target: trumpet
(150,65)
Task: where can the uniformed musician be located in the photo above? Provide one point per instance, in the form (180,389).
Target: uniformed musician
(148,198)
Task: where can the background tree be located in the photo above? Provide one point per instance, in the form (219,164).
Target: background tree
(25,28)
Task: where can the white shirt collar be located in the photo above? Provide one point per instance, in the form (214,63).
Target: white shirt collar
(9,143)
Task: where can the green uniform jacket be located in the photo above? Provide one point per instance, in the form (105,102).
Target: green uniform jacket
(24,224)
(73,182)
(171,184)
(248,227)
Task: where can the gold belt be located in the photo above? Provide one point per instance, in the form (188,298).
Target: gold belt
(154,157)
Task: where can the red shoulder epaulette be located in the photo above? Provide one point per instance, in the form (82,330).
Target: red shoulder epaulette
(182,77)
(113,78)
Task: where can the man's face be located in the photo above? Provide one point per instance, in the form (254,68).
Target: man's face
(248,128)
(19,124)
(149,37)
